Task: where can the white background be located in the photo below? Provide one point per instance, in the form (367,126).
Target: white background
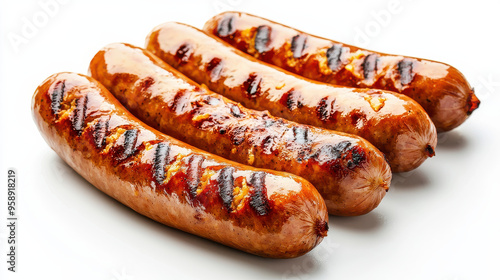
(439,222)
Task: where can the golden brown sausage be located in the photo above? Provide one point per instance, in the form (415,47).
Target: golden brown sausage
(394,123)
(350,173)
(262,212)
(442,90)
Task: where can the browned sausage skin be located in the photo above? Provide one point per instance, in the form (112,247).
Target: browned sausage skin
(394,123)
(350,173)
(441,89)
(262,212)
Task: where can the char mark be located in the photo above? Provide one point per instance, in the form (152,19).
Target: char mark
(235,110)
(194,172)
(300,135)
(179,103)
(369,65)
(225,26)
(331,152)
(325,108)
(294,100)
(100,131)
(129,142)
(238,135)
(79,114)
(298,45)
(252,85)
(225,181)
(258,198)
(214,67)
(183,53)
(405,69)
(160,160)
(334,56)
(357,157)
(57,96)
(262,38)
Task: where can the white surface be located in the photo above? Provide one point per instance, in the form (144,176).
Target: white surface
(438,222)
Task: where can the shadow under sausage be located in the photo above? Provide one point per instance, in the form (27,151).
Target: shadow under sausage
(409,181)
(451,140)
(60,173)
(365,223)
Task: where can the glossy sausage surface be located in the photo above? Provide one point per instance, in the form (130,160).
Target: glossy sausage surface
(262,212)
(350,173)
(394,123)
(440,88)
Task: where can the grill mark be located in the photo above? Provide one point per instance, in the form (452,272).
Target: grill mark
(238,135)
(357,157)
(225,27)
(144,84)
(325,109)
(369,65)
(405,69)
(331,152)
(215,68)
(293,100)
(57,96)
(183,53)
(129,144)
(267,144)
(79,114)
(235,111)
(100,131)
(298,45)
(252,85)
(262,38)
(194,172)
(258,199)
(160,160)
(334,56)
(300,135)
(225,181)
(176,103)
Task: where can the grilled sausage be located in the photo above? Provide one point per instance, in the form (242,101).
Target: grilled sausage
(441,89)
(394,123)
(263,212)
(350,173)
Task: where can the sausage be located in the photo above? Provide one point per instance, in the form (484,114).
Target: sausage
(394,123)
(262,212)
(441,89)
(350,173)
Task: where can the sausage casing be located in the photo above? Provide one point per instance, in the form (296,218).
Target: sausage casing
(441,89)
(394,123)
(350,173)
(262,212)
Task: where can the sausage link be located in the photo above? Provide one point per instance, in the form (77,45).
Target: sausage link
(262,212)
(350,173)
(394,123)
(441,89)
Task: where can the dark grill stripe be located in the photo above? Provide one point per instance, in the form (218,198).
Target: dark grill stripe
(235,110)
(183,53)
(238,135)
(298,45)
(325,108)
(301,135)
(129,143)
(100,132)
(225,181)
(262,38)
(369,65)
(160,160)
(294,100)
(225,26)
(334,56)
(179,103)
(194,172)
(252,85)
(258,199)
(331,152)
(79,114)
(214,67)
(57,96)
(405,68)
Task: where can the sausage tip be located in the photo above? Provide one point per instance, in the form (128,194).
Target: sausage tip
(429,151)
(321,228)
(472,103)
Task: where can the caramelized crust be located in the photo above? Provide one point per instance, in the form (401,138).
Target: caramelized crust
(278,214)
(337,164)
(394,123)
(442,90)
